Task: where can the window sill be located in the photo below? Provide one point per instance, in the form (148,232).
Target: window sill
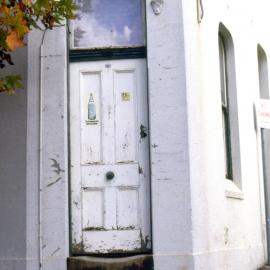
(232,191)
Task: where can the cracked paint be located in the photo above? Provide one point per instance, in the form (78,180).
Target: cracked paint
(54,182)
(55,251)
(56,165)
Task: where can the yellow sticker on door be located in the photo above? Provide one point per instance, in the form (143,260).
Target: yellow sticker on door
(125,96)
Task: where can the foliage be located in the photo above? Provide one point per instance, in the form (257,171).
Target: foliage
(17,19)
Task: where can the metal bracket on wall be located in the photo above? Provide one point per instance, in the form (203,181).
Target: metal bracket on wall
(200,11)
(157,6)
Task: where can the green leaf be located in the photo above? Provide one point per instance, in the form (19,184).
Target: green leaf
(10,83)
(19,17)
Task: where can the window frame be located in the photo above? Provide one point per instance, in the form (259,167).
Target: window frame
(233,175)
(225,109)
(80,55)
(263,72)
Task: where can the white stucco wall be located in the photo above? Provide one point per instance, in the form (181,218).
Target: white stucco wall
(194,224)
(228,233)
(171,210)
(170,175)
(46,189)
(13,121)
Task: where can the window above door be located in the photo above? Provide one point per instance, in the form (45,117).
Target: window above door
(104,24)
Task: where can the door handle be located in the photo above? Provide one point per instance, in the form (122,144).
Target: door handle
(109,175)
(143,130)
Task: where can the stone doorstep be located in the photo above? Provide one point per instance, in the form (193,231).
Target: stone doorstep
(139,262)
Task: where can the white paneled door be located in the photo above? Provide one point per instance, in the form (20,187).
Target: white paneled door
(109,161)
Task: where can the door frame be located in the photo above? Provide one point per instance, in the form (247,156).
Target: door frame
(100,54)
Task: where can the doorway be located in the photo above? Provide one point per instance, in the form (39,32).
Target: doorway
(109,133)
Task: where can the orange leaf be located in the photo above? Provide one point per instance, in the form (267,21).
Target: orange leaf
(27,2)
(14,41)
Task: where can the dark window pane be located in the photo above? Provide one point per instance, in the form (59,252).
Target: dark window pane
(222,64)
(225,110)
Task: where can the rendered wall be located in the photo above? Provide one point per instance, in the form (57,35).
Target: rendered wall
(171,208)
(33,166)
(47,130)
(53,169)
(228,222)
(194,224)
(13,171)
(47,231)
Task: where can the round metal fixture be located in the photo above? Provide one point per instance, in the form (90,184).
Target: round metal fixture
(109,175)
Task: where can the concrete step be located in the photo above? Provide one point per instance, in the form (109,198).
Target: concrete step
(139,262)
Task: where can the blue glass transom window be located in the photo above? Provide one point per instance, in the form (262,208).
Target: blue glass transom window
(108,23)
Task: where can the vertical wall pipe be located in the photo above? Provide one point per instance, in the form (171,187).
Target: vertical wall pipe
(265,139)
(40,150)
(265,142)
(41,56)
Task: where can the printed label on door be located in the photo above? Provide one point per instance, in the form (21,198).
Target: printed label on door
(125,96)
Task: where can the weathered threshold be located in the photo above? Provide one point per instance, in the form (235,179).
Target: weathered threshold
(266,267)
(139,262)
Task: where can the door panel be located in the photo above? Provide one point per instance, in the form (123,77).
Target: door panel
(110,182)
(125,119)
(90,149)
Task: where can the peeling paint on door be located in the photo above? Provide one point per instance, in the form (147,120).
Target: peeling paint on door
(111,191)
